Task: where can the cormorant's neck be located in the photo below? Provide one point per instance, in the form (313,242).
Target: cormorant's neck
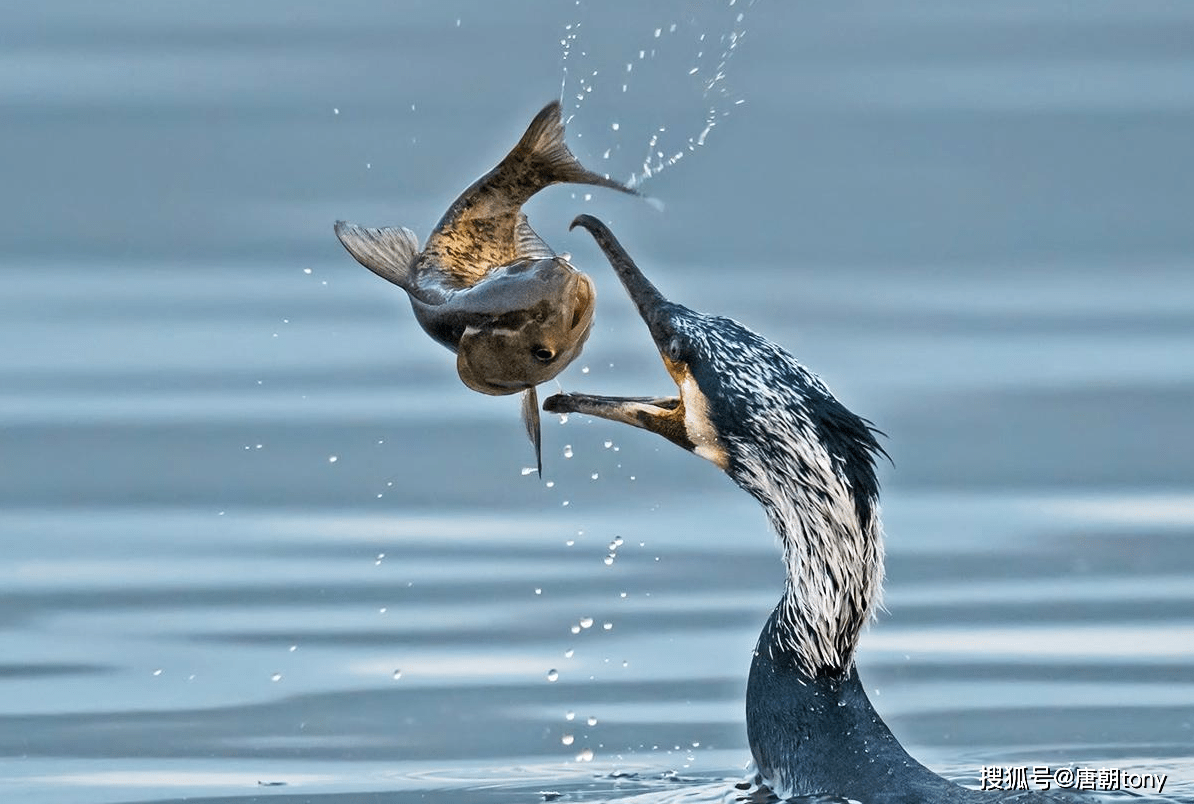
(833,554)
(820,734)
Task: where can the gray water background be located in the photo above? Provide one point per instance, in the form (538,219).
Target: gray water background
(972,219)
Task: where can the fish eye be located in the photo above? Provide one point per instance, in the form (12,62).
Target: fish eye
(543,353)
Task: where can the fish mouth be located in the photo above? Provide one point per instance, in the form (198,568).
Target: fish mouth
(662,415)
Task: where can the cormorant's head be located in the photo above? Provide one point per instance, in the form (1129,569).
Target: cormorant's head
(744,403)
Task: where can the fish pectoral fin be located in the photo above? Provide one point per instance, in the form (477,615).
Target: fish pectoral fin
(530,417)
(388,252)
(527,242)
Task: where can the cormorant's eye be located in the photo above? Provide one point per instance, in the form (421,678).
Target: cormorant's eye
(674,348)
(544,354)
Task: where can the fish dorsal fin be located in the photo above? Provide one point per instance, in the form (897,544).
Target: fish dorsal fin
(528,244)
(543,143)
(389,252)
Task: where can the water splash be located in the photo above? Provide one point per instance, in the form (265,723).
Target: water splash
(685,54)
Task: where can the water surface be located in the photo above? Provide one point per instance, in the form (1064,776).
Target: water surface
(263,545)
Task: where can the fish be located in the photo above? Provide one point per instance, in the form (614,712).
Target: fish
(485,284)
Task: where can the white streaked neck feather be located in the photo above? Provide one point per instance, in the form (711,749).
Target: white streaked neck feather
(834,562)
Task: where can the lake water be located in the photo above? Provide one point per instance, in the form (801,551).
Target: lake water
(261,544)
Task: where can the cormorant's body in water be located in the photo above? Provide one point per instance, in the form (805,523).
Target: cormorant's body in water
(749,407)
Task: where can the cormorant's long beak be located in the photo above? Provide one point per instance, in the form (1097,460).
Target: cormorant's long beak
(662,415)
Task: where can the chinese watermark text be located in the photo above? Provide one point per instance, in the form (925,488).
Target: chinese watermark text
(1042,777)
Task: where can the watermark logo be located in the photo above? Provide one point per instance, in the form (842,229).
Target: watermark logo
(1042,777)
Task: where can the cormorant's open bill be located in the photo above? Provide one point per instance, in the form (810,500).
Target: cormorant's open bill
(662,415)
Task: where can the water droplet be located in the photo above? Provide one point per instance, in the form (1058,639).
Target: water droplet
(607,626)
(592,721)
(593,476)
(585,756)
(157,672)
(576,629)
(528,470)
(569,653)
(276,677)
(696,744)
(306,270)
(563,418)
(586,622)
(570,542)
(538,591)
(335,110)
(658,31)
(567,739)
(567,450)
(841,703)
(608,444)
(382,610)
(397,674)
(553,674)
(625,663)
(565,504)
(619,541)
(609,560)
(588,197)
(333,458)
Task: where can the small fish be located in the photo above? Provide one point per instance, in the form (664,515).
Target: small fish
(485,285)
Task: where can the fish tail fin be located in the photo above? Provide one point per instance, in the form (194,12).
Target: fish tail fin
(389,252)
(543,145)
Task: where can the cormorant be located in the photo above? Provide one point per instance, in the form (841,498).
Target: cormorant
(749,407)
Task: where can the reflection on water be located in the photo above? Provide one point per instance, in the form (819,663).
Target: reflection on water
(973,222)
